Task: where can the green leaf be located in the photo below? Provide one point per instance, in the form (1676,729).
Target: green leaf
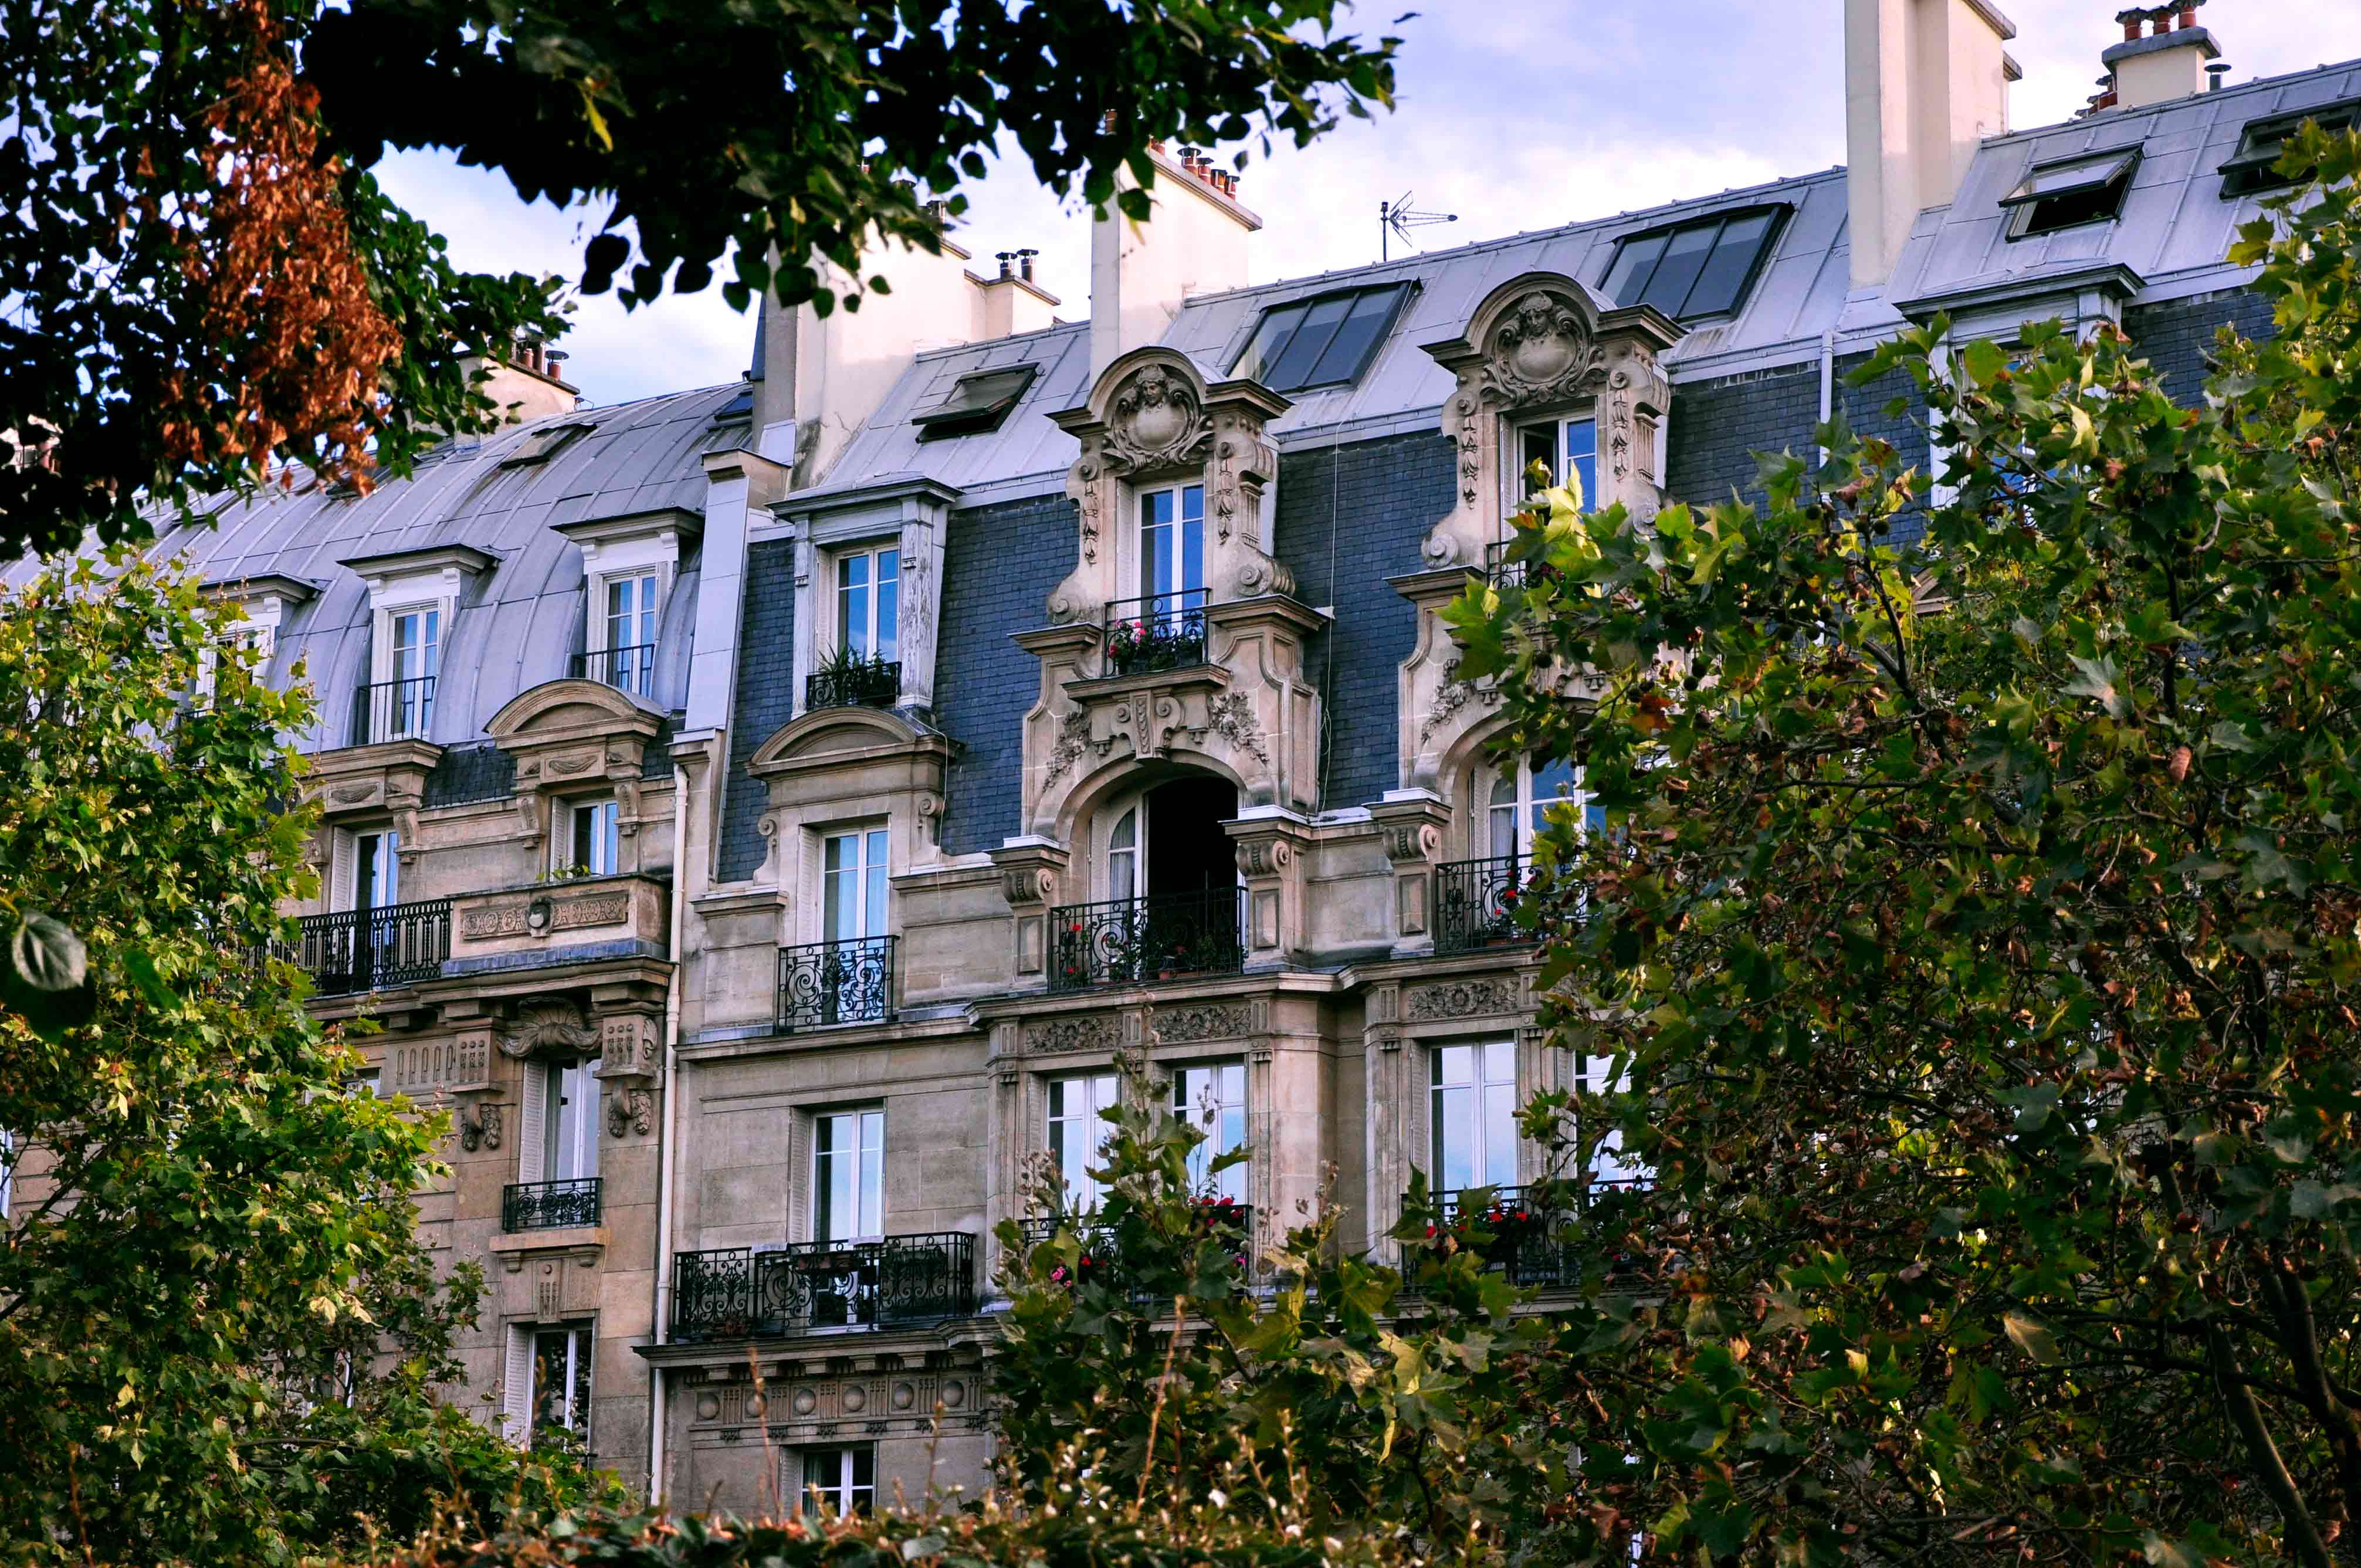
(47,955)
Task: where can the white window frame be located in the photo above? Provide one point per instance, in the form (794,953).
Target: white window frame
(385,668)
(869,876)
(837,558)
(561,1125)
(606,840)
(866,1125)
(1152,588)
(1513,466)
(1212,1097)
(846,1494)
(649,585)
(1492,1090)
(346,894)
(1516,819)
(1066,1118)
(581,1355)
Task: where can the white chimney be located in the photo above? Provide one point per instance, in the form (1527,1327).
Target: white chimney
(523,385)
(2167,64)
(1194,243)
(1925,80)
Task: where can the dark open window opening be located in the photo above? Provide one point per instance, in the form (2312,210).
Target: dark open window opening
(1188,850)
(1705,266)
(2071,192)
(1324,341)
(977,404)
(2254,167)
(544,444)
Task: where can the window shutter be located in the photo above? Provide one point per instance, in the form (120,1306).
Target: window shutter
(516,1386)
(531,1123)
(799,1177)
(344,854)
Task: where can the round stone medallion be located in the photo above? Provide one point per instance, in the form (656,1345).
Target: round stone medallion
(805,1401)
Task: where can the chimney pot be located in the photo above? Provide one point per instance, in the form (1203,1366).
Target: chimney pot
(1025,264)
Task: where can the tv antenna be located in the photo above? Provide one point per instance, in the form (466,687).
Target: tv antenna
(1396,219)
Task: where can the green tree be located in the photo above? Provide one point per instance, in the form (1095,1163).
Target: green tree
(207,288)
(219,1340)
(1978,926)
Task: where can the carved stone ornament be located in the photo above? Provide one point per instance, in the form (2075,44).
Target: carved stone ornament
(1461,998)
(1212,1021)
(1541,352)
(1055,1036)
(548,1026)
(630,1111)
(1156,421)
(1232,717)
(482,1130)
(1074,740)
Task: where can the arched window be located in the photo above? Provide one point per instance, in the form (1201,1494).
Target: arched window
(1518,802)
(1122,856)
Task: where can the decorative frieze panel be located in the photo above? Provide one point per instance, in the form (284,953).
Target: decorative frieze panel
(1188,1026)
(814,1407)
(541,916)
(1475,996)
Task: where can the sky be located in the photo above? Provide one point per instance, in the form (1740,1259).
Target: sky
(1514,115)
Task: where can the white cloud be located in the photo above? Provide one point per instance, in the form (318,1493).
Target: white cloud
(1514,113)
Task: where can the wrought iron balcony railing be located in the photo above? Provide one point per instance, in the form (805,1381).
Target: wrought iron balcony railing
(368,950)
(1101,1257)
(1475,903)
(1500,572)
(631,668)
(866,683)
(739,1293)
(822,984)
(549,1205)
(1130,942)
(1525,1230)
(393,711)
(1162,631)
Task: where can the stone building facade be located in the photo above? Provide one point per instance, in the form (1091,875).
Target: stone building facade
(765,821)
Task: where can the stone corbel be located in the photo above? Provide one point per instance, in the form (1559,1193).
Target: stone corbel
(1273,854)
(482,1130)
(627,1047)
(1412,823)
(547,1026)
(1032,870)
(630,1110)
(627,804)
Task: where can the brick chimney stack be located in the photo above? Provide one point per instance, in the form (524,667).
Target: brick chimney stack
(2170,62)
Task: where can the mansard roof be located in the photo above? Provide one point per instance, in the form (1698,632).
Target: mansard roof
(637,457)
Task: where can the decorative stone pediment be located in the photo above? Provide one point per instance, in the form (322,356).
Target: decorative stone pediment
(371,782)
(1153,419)
(1539,344)
(840,765)
(571,737)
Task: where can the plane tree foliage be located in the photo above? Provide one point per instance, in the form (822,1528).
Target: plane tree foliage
(220,1341)
(206,285)
(1976,938)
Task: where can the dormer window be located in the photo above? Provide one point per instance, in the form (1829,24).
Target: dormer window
(1702,268)
(627,566)
(978,402)
(1324,341)
(589,842)
(869,602)
(546,443)
(630,646)
(2253,167)
(2070,192)
(1564,447)
(413,594)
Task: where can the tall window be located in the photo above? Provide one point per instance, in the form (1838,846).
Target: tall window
(1610,1166)
(1472,1116)
(1564,447)
(632,631)
(853,885)
(591,839)
(569,1125)
(869,602)
(560,1381)
(848,1175)
(1078,1130)
(1212,1099)
(1125,852)
(1521,801)
(417,656)
(376,871)
(1172,549)
(840,1480)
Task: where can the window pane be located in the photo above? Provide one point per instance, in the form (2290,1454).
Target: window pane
(1628,275)
(1500,1135)
(1270,339)
(1455,1138)
(1582,459)
(1192,542)
(889,604)
(1303,351)
(1725,272)
(1539,445)
(1685,256)
(1349,350)
(873,914)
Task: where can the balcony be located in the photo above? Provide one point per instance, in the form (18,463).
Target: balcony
(549,1205)
(1101,1257)
(369,950)
(854,683)
(1475,903)
(1526,1245)
(815,1287)
(824,983)
(1500,571)
(1162,631)
(393,711)
(1130,942)
(628,669)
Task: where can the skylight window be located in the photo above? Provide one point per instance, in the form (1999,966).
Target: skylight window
(980,400)
(2071,192)
(2260,146)
(1324,341)
(1702,268)
(545,443)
